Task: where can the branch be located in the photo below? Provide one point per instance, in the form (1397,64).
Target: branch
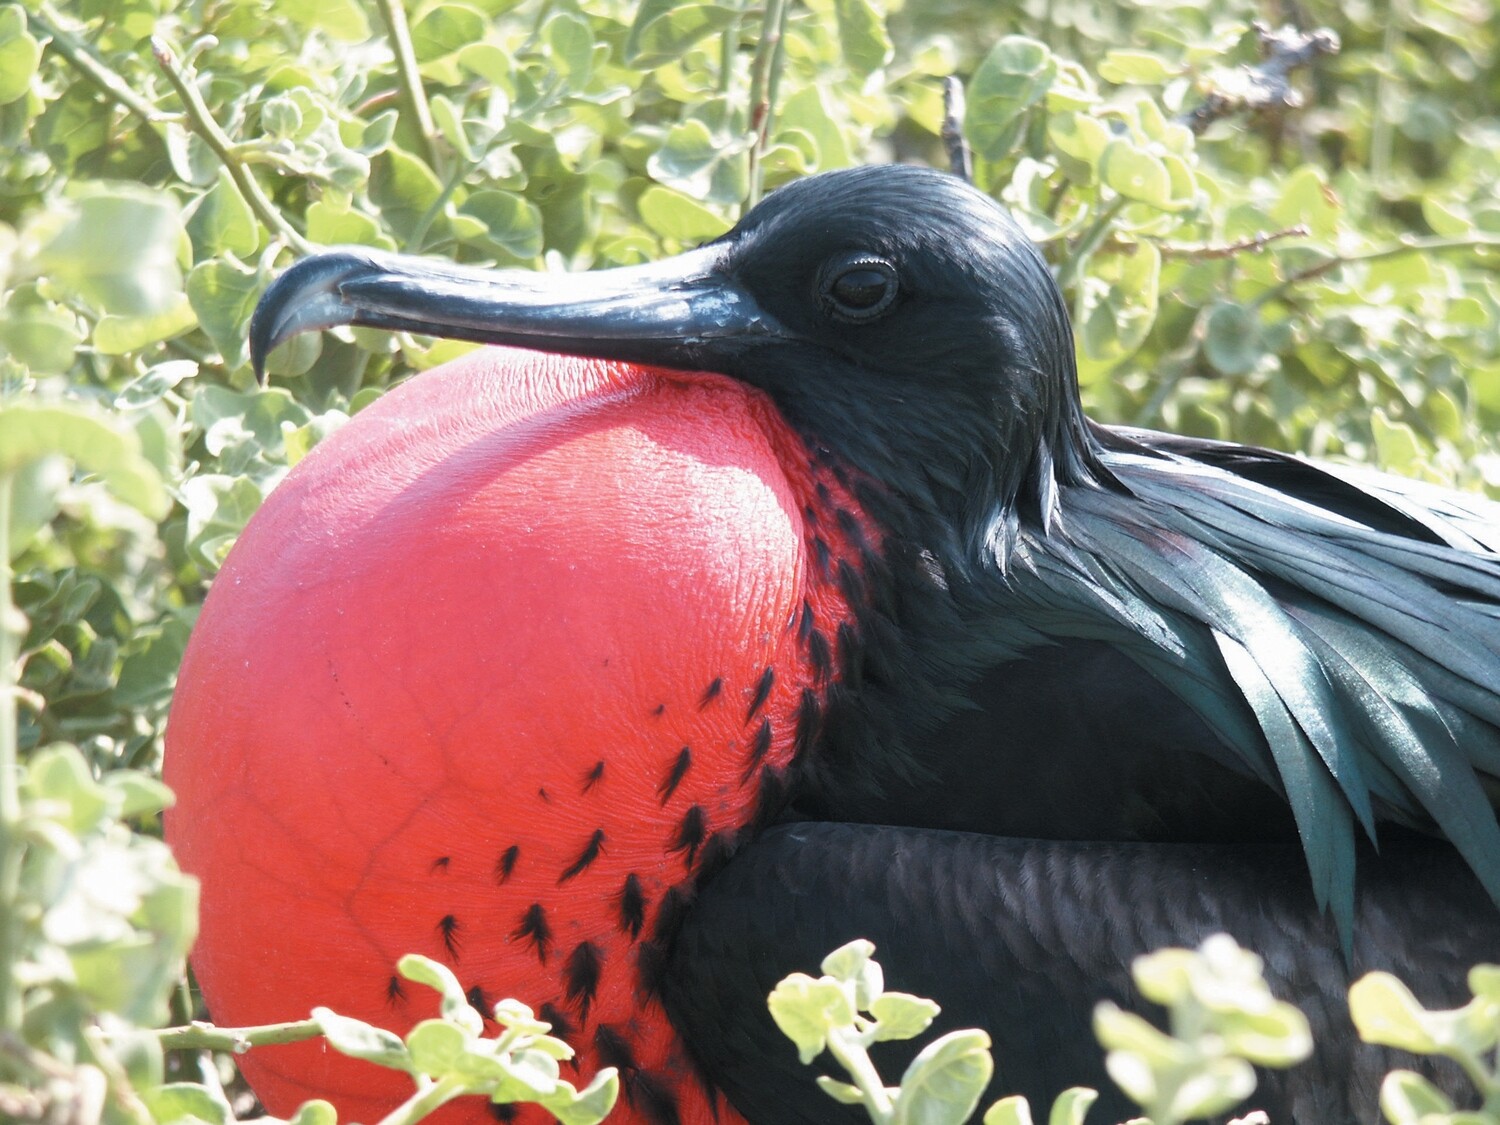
(1477,242)
(202,122)
(12,628)
(81,59)
(762,90)
(235,1040)
(1268,85)
(1254,245)
(412,91)
(960,161)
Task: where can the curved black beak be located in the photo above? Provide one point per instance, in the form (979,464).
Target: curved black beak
(667,313)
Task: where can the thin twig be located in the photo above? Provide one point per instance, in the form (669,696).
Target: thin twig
(235,1040)
(81,59)
(202,122)
(960,162)
(1209,251)
(410,78)
(12,624)
(767,56)
(116,1078)
(729,45)
(415,242)
(1394,250)
(1090,242)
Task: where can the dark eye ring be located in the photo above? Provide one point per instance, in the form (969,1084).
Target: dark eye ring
(857,287)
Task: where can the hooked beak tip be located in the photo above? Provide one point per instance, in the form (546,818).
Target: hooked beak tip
(305,298)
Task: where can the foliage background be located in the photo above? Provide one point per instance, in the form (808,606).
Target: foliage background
(1317,278)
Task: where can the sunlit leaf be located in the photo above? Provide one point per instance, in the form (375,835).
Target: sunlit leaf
(664,29)
(942,1085)
(19,54)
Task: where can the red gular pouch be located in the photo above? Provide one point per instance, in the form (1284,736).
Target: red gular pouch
(488,678)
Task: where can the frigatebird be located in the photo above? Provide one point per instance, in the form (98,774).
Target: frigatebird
(1073,691)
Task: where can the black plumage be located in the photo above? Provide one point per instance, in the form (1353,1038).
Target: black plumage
(1034,933)
(1189,659)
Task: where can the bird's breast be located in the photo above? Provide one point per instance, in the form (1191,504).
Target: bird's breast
(490,678)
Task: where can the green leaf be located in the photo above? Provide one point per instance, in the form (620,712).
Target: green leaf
(445,29)
(490,62)
(1014,1110)
(1447,220)
(455,1005)
(848,961)
(335,224)
(1135,173)
(806,1010)
(1118,319)
(343,20)
(512,223)
(20,54)
(516,1016)
(664,30)
(29,432)
(863,38)
(1397,445)
(687,157)
(570,47)
(1013,77)
(900,1015)
(218,507)
(118,252)
(45,337)
(853,963)
(944,1082)
(1406,1098)
(673,215)
(440,1049)
(301,440)
(35,500)
(139,793)
(59,774)
(1081,136)
(1484,983)
(360,1040)
(281,118)
(1386,1013)
(1307,199)
(810,113)
(157,380)
(222,221)
(590,1105)
(403,188)
(1119,1031)
(449,121)
(187,1101)
(120,335)
(840,1091)
(1138,68)
(1231,339)
(1278,1036)
(223,295)
(1215,1086)
(1071,1106)
(315,1112)
(1166,976)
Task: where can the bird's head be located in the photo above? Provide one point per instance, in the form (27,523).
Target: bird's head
(897,316)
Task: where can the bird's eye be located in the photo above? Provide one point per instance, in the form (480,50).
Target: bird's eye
(858,286)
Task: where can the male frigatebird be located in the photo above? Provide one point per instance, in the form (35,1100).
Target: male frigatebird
(1030,695)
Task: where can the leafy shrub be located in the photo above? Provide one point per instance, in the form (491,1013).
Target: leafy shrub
(1316,278)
